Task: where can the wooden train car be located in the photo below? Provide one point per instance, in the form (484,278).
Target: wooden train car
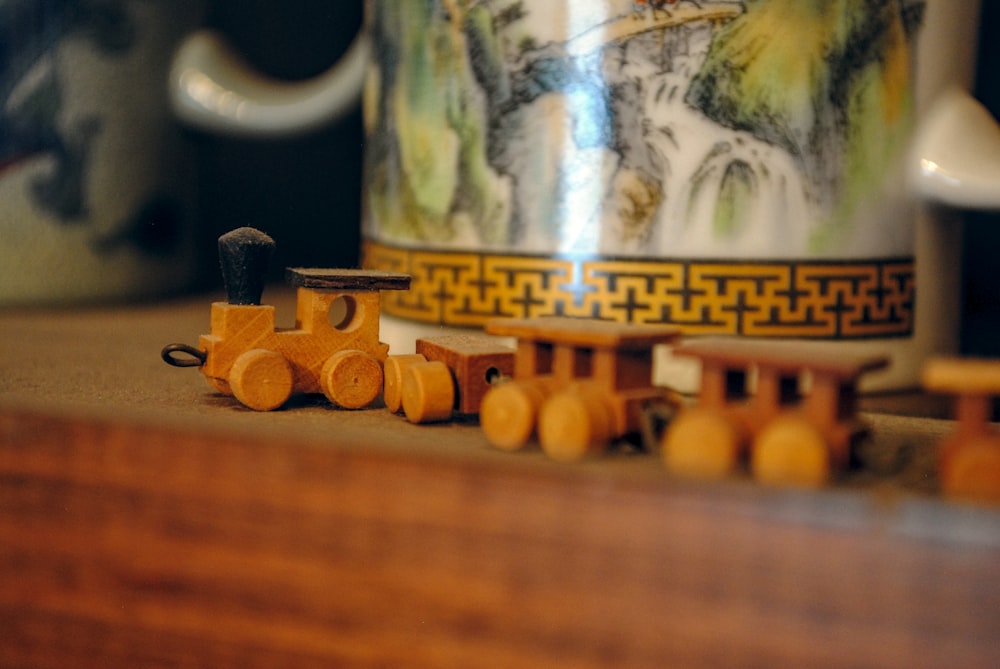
(578,384)
(447,375)
(969,459)
(798,424)
(333,349)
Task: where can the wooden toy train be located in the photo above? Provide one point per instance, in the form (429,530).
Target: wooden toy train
(333,349)
(574,385)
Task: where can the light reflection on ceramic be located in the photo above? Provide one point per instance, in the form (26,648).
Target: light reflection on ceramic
(759,168)
(957,154)
(754,168)
(212,87)
(769,128)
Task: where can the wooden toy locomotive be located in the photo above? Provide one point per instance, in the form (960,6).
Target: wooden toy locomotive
(333,349)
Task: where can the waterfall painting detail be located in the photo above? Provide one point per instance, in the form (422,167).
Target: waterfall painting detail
(681,130)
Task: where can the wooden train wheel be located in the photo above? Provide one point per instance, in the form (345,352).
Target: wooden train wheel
(791,450)
(972,469)
(351,379)
(428,393)
(509,413)
(574,424)
(261,379)
(393,369)
(702,443)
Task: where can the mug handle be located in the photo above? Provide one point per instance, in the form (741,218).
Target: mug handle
(211,87)
(956,159)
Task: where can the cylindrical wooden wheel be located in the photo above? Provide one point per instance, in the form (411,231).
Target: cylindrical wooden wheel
(351,379)
(972,470)
(261,379)
(509,412)
(428,392)
(790,451)
(393,370)
(702,443)
(574,424)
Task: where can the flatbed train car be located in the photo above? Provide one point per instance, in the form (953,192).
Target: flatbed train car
(969,458)
(796,425)
(578,384)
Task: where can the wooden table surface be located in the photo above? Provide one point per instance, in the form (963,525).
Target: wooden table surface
(146,522)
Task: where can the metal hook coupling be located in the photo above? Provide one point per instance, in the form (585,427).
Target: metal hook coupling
(197,356)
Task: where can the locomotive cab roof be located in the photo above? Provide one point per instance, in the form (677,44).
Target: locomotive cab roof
(352,280)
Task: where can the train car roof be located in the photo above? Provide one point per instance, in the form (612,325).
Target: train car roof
(784,356)
(584,332)
(959,376)
(351,280)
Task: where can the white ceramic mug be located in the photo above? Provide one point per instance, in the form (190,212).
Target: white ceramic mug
(767,168)
(212,87)
(98,185)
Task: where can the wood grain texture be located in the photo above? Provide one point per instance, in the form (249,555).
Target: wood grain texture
(125,547)
(146,521)
(346,279)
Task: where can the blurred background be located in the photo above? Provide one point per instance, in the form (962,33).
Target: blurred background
(305,191)
(981,322)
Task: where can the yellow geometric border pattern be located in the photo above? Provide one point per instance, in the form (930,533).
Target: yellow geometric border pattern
(814,299)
